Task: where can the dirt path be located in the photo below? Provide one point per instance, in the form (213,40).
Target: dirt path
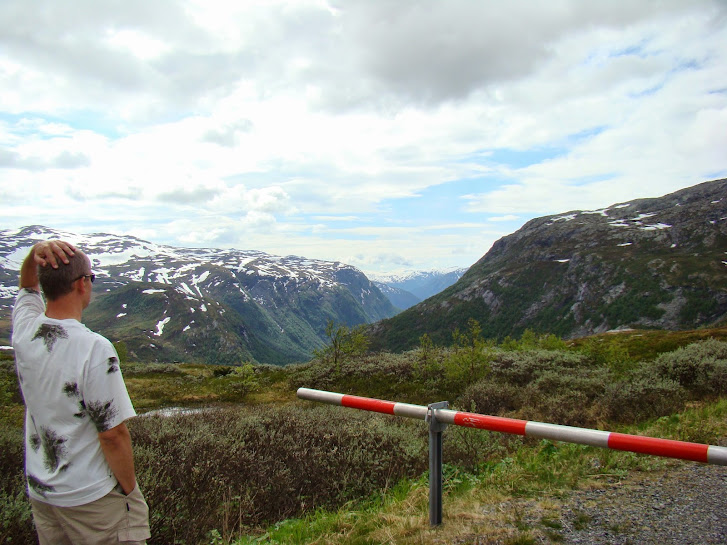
(685,505)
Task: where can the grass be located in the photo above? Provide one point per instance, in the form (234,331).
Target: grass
(168,385)
(646,344)
(581,521)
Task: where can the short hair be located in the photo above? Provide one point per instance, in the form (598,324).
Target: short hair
(58,282)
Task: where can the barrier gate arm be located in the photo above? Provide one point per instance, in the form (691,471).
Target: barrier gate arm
(438,417)
(696,452)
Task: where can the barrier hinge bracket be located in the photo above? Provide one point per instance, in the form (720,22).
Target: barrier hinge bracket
(434,424)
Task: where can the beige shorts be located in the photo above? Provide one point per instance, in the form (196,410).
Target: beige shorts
(115,518)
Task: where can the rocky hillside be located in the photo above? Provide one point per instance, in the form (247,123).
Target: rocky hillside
(211,305)
(649,263)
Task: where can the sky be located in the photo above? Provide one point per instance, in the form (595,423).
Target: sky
(391,135)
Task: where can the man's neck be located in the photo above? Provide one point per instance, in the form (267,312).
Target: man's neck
(63,310)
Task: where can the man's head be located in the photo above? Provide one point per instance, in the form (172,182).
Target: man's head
(59,282)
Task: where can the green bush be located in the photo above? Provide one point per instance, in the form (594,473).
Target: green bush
(564,396)
(462,367)
(567,408)
(642,398)
(472,449)
(9,390)
(16,525)
(227,469)
(490,397)
(388,376)
(239,382)
(523,367)
(140,369)
(701,367)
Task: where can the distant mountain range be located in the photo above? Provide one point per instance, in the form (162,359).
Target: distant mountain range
(192,304)
(407,289)
(649,263)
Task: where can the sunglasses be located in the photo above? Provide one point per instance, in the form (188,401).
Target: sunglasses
(91,276)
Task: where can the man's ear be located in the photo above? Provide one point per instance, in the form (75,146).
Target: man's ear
(80,285)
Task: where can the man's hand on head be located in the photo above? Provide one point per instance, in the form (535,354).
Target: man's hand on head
(51,252)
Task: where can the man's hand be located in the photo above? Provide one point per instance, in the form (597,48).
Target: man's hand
(116,447)
(43,254)
(48,253)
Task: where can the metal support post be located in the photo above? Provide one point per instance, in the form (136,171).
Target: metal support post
(435,462)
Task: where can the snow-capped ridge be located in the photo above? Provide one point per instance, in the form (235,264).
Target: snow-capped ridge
(238,297)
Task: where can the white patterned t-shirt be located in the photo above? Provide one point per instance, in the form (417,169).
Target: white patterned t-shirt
(73,389)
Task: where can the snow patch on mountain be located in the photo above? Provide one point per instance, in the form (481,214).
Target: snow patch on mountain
(408,275)
(160,326)
(167,265)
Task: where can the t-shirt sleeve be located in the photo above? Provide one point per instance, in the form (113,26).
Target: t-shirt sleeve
(28,305)
(106,401)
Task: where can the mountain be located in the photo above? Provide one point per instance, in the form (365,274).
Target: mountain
(400,298)
(407,289)
(201,304)
(649,263)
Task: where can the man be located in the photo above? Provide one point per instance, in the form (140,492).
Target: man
(78,457)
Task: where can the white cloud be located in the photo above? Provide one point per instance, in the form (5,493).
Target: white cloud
(509,217)
(140,44)
(252,123)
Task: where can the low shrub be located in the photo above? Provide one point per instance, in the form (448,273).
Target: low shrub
(9,390)
(16,525)
(384,375)
(491,397)
(609,352)
(701,367)
(227,469)
(540,385)
(523,367)
(567,408)
(589,382)
(136,369)
(472,449)
(642,398)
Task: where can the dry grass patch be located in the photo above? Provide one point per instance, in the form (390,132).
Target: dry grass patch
(278,392)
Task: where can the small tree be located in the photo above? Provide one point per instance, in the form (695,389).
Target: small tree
(426,346)
(425,365)
(471,357)
(343,342)
(611,353)
(529,340)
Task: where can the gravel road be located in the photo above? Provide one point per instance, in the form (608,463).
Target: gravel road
(686,505)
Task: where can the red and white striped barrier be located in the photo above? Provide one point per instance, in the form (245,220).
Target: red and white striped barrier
(708,454)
